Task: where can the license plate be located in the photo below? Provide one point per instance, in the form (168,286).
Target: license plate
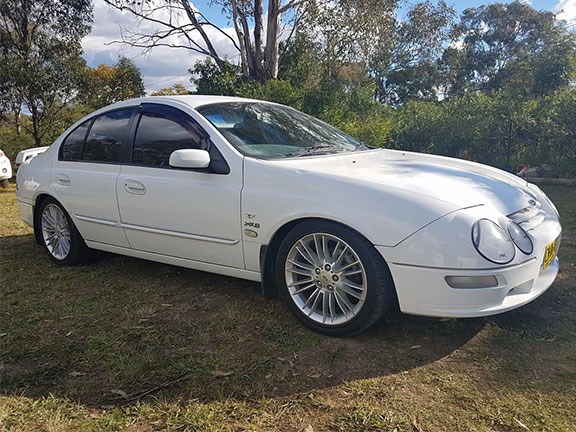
(549,253)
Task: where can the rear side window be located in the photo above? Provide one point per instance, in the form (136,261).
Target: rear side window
(71,148)
(106,136)
(162,131)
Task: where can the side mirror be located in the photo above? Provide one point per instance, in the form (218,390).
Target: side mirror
(189,158)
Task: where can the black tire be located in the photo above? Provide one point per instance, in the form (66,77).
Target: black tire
(4,183)
(378,294)
(77,251)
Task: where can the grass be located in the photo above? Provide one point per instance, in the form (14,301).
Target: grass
(125,344)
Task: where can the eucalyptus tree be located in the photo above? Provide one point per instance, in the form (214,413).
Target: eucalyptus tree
(40,56)
(255,36)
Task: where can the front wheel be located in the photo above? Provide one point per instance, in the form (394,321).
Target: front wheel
(333,279)
(59,236)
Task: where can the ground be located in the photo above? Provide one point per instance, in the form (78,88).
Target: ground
(126,344)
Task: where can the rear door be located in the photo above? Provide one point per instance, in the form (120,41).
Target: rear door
(191,214)
(84,177)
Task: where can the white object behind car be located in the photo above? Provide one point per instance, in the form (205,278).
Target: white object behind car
(5,170)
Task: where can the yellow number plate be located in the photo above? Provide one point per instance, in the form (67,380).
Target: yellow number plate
(549,253)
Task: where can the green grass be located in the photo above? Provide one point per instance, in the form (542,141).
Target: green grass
(125,344)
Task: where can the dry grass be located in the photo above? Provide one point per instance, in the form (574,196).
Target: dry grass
(125,344)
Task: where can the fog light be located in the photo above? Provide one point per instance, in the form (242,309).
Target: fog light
(4,170)
(471,281)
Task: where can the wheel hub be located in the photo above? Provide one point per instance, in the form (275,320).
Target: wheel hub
(325,277)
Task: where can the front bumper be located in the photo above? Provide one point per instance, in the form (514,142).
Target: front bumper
(424,291)
(420,265)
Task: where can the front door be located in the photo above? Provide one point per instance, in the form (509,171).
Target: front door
(182,213)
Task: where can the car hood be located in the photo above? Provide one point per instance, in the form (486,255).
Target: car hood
(454,181)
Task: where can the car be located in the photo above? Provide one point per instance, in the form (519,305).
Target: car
(342,232)
(5,170)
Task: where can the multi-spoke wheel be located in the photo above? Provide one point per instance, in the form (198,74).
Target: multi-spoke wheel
(58,234)
(332,278)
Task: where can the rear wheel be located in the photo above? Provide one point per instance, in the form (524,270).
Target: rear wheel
(59,236)
(4,183)
(333,279)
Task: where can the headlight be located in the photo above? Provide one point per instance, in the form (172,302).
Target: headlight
(492,242)
(520,238)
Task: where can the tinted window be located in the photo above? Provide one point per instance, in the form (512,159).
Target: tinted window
(72,146)
(162,131)
(106,136)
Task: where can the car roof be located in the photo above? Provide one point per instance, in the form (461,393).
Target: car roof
(191,100)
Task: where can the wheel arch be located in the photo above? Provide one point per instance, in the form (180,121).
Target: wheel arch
(268,253)
(36,215)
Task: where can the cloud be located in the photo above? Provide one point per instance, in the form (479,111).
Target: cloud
(566,10)
(161,66)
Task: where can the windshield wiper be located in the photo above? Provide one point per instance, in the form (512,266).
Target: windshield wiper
(363,146)
(309,151)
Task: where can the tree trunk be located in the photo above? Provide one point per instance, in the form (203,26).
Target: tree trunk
(258,30)
(35,124)
(272,40)
(17,125)
(241,39)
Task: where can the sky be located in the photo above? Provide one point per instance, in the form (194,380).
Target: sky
(163,66)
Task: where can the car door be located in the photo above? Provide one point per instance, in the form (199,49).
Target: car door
(191,214)
(84,176)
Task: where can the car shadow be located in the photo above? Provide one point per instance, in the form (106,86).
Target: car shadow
(150,329)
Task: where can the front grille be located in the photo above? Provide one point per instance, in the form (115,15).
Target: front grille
(529,217)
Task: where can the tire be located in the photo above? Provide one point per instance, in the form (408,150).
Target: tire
(340,291)
(58,235)
(4,183)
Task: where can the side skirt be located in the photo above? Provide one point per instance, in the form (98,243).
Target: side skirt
(180,262)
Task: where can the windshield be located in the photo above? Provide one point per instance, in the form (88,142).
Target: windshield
(270,131)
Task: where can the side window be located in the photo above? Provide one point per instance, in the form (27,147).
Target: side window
(106,136)
(162,131)
(71,148)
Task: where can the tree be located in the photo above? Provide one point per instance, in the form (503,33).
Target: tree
(40,56)
(176,89)
(107,84)
(348,30)
(508,45)
(179,18)
(405,64)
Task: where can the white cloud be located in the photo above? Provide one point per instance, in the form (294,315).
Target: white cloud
(566,10)
(161,66)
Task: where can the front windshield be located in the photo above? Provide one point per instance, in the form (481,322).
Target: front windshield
(270,131)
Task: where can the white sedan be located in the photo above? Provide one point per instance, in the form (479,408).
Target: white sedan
(340,231)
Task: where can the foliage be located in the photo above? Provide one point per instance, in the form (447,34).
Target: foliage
(40,57)
(405,64)
(176,89)
(509,46)
(278,91)
(211,79)
(349,30)
(107,84)
(498,129)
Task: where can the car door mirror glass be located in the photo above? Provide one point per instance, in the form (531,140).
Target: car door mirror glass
(190,158)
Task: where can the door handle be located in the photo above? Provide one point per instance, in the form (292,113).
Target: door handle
(63,179)
(134,187)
